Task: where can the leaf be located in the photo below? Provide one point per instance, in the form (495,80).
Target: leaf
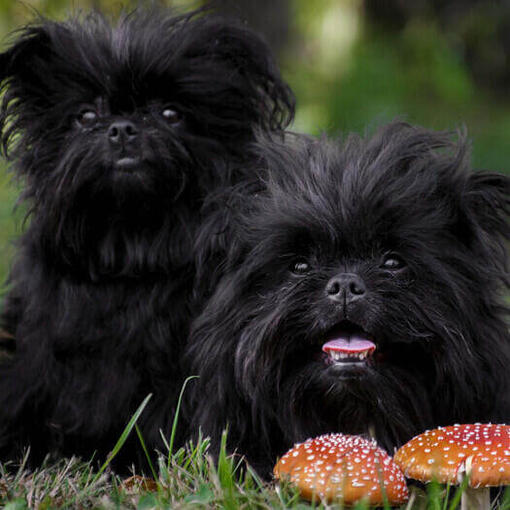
(204,495)
(17,504)
(136,483)
(147,502)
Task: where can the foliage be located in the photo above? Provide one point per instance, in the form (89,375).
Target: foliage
(415,74)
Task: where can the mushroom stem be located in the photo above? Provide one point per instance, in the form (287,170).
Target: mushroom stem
(476,499)
(472,498)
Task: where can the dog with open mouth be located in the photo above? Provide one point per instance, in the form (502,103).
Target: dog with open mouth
(118,131)
(364,294)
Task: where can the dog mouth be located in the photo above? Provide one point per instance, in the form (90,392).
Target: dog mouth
(348,344)
(127,163)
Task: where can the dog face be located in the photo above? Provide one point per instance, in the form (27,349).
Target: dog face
(148,104)
(366,277)
(136,123)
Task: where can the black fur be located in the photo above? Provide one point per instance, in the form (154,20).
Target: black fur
(404,215)
(118,134)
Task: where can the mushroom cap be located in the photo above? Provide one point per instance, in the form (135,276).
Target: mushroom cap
(341,467)
(482,451)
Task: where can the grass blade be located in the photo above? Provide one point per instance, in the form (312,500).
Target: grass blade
(142,442)
(176,418)
(122,439)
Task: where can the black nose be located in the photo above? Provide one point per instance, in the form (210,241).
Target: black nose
(122,131)
(346,286)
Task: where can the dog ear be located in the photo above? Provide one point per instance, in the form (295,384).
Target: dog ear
(487,210)
(21,63)
(23,74)
(252,76)
(24,66)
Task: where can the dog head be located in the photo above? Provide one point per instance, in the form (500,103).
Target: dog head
(364,291)
(149,101)
(134,120)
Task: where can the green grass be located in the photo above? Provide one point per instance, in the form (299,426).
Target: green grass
(188,479)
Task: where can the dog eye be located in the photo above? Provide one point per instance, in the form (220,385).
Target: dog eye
(393,262)
(87,118)
(300,267)
(171,116)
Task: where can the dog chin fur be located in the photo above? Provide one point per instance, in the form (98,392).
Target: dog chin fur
(423,238)
(118,133)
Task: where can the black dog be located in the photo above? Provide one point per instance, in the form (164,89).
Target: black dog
(364,294)
(119,133)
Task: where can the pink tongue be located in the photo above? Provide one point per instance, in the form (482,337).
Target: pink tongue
(352,344)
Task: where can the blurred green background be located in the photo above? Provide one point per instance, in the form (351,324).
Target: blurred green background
(355,64)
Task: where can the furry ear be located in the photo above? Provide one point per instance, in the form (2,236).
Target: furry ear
(23,63)
(23,71)
(255,78)
(487,209)
(32,42)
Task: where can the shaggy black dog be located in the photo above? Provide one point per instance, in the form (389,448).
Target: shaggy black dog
(364,295)
(119,133)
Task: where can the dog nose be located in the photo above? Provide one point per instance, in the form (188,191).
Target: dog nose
(122,131)
(346,286)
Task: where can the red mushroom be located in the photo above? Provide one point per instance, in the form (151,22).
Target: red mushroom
(448,454)
(346,468)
